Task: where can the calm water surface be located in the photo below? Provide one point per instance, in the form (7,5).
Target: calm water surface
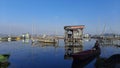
(28,55)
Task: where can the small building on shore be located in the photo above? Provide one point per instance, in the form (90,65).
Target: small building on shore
(73,33)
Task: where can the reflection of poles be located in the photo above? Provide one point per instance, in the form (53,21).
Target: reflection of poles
(32,55)
(55,51)
(55,47)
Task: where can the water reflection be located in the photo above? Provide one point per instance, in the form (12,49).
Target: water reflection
(71,49)
(72,43)
(110,42)
(26,41)
(110,62)
(4,60)
(87,39)
(44,44)
(41,54)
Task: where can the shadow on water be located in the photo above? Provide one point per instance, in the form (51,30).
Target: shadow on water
(44,44)
(110,62)
(82,63)
(4,63)
(110,42)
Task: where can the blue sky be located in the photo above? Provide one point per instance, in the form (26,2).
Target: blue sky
(50,16)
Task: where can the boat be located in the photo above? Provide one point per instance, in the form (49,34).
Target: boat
(88,53)
(81,59)
(81,64)
(48,41)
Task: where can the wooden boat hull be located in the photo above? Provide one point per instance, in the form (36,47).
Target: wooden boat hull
(86,54)
(47,40)
(82,63)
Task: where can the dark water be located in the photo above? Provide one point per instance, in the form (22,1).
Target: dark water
(28,55)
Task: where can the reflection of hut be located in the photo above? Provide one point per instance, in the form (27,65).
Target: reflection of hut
(72,49)
(73,33)
(78,43)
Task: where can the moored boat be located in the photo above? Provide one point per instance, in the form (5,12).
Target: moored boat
(48,40)
(88,53)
